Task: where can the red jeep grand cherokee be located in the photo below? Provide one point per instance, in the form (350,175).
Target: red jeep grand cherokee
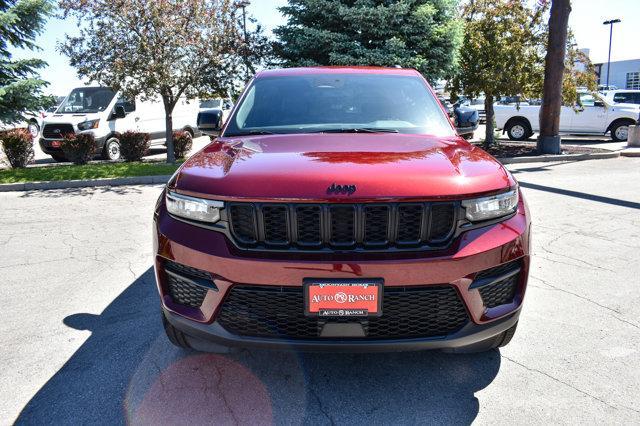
(339,210)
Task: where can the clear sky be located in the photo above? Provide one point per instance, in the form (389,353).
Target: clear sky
(585,21)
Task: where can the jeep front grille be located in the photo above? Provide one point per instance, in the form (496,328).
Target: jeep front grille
(342,226)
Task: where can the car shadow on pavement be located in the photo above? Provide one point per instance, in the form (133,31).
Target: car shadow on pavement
(128,372)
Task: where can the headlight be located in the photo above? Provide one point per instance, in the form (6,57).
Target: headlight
(193,208)
(486,208)
(90,124)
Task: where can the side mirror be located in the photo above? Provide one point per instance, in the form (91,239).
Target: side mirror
(598,104)
(467,118)
(119,112)
(210,122)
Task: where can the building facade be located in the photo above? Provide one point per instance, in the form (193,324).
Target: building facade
(624,74)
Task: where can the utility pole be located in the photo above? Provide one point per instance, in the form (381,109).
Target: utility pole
(610,23)
(549,139)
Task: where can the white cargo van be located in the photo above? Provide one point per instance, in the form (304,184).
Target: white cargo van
(106,114)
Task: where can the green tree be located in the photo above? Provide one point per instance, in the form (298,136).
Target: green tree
(420,34)
(165,48)
(578,72)
(20,84)
(502,53)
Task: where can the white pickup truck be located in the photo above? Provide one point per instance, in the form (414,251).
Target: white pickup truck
(592,115)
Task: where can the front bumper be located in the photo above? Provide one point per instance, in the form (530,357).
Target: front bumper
(46,145)
(199,335)
(473,251)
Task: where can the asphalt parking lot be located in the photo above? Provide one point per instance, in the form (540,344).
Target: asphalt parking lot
(82,340)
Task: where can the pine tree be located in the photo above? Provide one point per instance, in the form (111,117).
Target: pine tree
(20,84)
(420,34)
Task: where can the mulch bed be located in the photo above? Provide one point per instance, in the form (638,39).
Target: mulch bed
(511,149)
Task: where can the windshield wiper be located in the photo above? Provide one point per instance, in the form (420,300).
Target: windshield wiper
(358,130)
(251,132)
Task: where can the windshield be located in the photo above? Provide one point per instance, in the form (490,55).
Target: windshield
(339,102)
(87,100)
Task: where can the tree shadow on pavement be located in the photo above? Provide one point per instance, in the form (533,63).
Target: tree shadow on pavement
(582,195)
(128,372)
(82,191)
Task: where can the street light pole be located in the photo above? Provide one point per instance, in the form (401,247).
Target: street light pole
(244,5)
(610,23)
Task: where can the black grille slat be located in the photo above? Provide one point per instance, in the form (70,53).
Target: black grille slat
(243,223)
(186,270)
(342,225)
(186,285)
(409,223)
(275,224)
(442,221)
(376,224)
(56,131)
(500,292)
(407,312)
(308,225)
(379,226)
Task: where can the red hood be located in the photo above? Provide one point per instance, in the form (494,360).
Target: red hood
(382,166)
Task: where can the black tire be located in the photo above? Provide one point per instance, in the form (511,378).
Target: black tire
(60,158)
(111,150)
(174,335)
(468,136)
(616,129)
(494,342)
(518,130)
(506,336)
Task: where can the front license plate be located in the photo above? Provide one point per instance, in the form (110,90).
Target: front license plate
(326,298)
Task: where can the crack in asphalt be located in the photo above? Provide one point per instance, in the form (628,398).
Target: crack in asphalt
(602,401)
(576,259)
(555,288)
(224,396)
(313,392)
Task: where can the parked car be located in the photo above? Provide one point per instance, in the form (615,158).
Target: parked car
(592,115)
(478,105)
(213,111)
(622,96)
(106,114)
(34,120)
(339,210)
(465,119)
(512,100)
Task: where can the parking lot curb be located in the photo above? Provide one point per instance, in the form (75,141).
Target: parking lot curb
(565,157)
(630,152)
(65,184)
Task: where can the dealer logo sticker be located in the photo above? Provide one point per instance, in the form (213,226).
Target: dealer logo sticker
(340,297)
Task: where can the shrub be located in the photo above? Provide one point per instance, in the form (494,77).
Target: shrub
(134,145)
(182,143)
(18,147)
(78,148)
